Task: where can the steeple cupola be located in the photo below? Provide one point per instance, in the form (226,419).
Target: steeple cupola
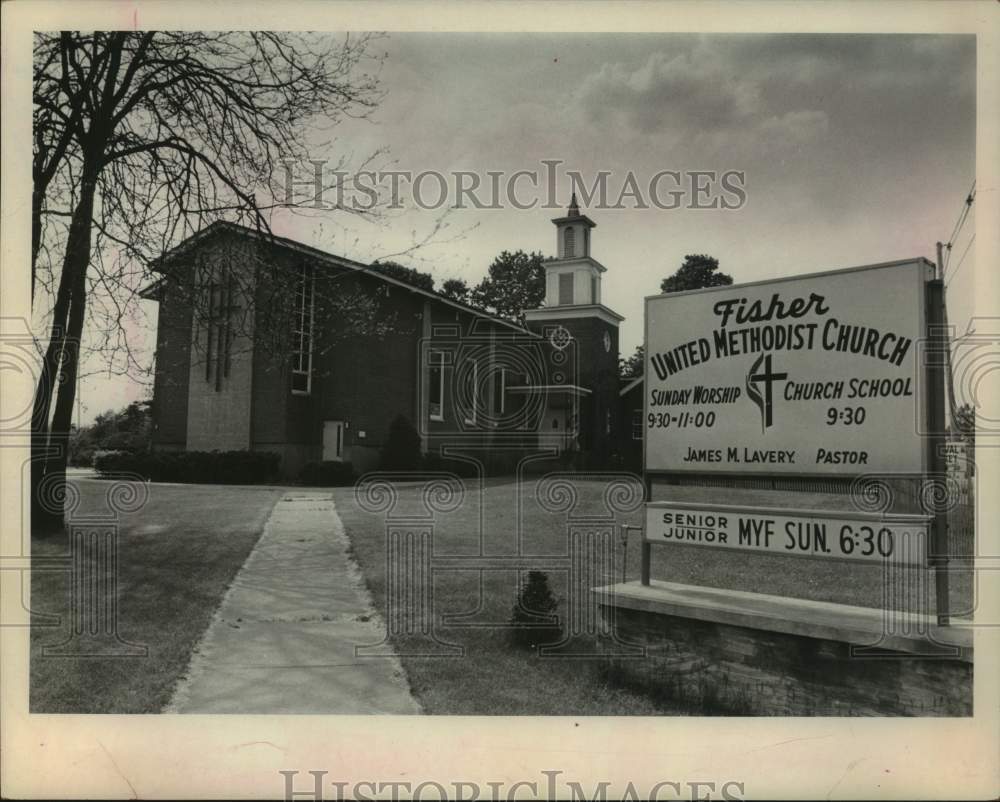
(573,232)
(573,278)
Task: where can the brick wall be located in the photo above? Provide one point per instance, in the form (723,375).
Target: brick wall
(597,370)
(219,419)
(170,380)
(630,449)
(363,380)
(219,400)
(271,379)
(736,670)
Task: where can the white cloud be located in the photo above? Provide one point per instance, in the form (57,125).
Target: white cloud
(688,90)
(794,127)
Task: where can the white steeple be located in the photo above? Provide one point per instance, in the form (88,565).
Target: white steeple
(573,278)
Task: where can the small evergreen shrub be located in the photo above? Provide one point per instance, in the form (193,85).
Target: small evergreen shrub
(401,451)
(533,619)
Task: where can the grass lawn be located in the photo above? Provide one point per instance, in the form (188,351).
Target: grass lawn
(493,678)
(176,558)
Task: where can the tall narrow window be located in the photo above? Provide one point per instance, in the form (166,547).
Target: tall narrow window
(593,289)
(218,332)
(569,240)
(586,242)
(499,391)
(637,424)
(565,289)
(302,330)
(473,394)
(435,379)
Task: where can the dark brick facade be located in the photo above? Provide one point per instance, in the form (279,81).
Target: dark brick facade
(173,355)
(363,381)
(628,437)
(595,368)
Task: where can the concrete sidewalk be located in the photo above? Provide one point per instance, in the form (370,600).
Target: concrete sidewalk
(284,637)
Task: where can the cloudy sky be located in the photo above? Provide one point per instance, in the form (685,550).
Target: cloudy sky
(856,149)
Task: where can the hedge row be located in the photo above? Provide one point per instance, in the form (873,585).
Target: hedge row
(327,474)
(200,467)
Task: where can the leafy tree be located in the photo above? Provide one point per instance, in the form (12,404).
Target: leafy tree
(965,423)
(424,281)
(634,366)
(456,289)
(129,429)
(515,282)
(697,272)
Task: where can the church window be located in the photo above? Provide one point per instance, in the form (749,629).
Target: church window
(637,424)
(436,385)
(607,421)
(569,242)
(218,341)
(565,289)
(586,242)
(593,289)
(499,391)
(302,330)
(473,395)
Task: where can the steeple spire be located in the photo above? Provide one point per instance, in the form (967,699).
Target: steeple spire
(573,232)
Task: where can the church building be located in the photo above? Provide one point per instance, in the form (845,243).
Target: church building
(267,344)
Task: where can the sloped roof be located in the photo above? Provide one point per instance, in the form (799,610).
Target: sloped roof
(324,257)
(631,385)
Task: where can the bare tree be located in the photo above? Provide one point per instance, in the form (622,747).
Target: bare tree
(142,138)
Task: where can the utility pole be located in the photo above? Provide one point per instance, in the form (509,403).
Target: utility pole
(949,379)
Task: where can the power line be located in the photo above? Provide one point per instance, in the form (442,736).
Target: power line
(964,254)
(962,217)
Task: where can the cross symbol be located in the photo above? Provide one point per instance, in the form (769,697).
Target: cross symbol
(768,378)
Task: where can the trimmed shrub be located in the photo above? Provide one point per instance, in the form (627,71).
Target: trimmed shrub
(401,451)
(197,467)
(533,616)
(435,463)
(327,474)
(108,461)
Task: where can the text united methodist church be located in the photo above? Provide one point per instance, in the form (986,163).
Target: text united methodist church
(261,346)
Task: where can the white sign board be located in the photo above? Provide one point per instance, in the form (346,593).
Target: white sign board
(815,375)
(900,539)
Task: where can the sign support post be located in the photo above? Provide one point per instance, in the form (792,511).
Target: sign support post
(645,548)
(937,345)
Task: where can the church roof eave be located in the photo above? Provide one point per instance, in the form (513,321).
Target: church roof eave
(572,310)
(568,260)
(159,265)
(579,218)
(631,385)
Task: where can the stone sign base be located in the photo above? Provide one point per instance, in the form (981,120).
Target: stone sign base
(753,654)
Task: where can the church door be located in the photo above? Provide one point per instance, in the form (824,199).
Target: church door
(333,441)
